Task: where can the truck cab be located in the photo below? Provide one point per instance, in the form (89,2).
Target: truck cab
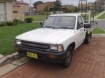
(56,40)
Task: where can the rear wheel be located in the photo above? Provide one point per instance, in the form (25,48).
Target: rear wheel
(68,57)
(88,38)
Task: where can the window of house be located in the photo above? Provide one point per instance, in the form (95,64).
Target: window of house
(15,11)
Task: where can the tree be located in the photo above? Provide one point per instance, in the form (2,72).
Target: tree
(57,6)
(46,10)
(37,3)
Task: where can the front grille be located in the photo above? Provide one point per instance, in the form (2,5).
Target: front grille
(35,46)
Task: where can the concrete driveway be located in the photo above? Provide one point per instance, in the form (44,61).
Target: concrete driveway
(88,62)
(101,24)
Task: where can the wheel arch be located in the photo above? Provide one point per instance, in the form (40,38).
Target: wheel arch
(71,45)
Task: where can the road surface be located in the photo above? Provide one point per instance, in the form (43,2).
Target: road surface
(88,62)
(101,24)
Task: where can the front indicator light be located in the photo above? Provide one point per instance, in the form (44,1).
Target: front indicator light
(52,56)
(60,48)
(18,42)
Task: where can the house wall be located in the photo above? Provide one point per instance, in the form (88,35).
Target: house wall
(2,12)
(9,8)
(6,11)
(40,8)
(19,11)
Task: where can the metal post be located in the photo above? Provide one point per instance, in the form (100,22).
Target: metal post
(86,6)
(94,10)
(30,8)
(89,16)
(6,15)
(79,5)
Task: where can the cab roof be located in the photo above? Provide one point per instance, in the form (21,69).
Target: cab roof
(67,14)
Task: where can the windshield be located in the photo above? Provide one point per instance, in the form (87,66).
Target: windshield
(64,22)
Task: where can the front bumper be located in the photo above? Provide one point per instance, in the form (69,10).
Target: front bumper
(51,55)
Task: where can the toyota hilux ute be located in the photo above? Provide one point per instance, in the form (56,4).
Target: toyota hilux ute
(56,40)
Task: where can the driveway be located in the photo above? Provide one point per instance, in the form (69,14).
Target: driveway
(101,24)
(88,62)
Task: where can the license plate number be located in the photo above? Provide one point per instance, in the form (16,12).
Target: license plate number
(32,55)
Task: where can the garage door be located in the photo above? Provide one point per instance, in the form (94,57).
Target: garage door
(2,12)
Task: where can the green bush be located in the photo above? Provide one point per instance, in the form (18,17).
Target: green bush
(16,22)
(3,24)
(10,23)
(28,20)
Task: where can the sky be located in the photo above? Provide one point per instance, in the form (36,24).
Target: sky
(64,2)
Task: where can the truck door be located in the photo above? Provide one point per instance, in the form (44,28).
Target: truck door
(81,30)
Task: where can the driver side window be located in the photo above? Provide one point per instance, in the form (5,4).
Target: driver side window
(79,23)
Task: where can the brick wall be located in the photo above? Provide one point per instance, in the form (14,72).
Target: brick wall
(19,10)
(41,7)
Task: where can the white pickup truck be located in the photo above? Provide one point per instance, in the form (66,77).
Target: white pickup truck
(56,41)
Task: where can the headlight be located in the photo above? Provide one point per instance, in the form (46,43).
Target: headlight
(18,42)
(57,47)
(53,47)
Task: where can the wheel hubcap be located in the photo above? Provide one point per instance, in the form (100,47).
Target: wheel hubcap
(89,38)
(68,58)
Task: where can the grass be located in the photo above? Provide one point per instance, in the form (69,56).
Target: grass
(102,16)
(8,34)
(98,31)
(38,17)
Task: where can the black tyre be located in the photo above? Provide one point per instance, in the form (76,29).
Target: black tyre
(88,38)
(68,57)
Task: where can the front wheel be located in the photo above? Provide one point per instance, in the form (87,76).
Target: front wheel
(68,58)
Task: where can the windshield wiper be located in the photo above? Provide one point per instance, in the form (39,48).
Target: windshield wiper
(49,27)
(64,27)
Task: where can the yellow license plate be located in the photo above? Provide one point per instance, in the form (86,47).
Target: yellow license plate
(32,55)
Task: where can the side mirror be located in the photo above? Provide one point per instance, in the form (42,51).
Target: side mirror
(87,25)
